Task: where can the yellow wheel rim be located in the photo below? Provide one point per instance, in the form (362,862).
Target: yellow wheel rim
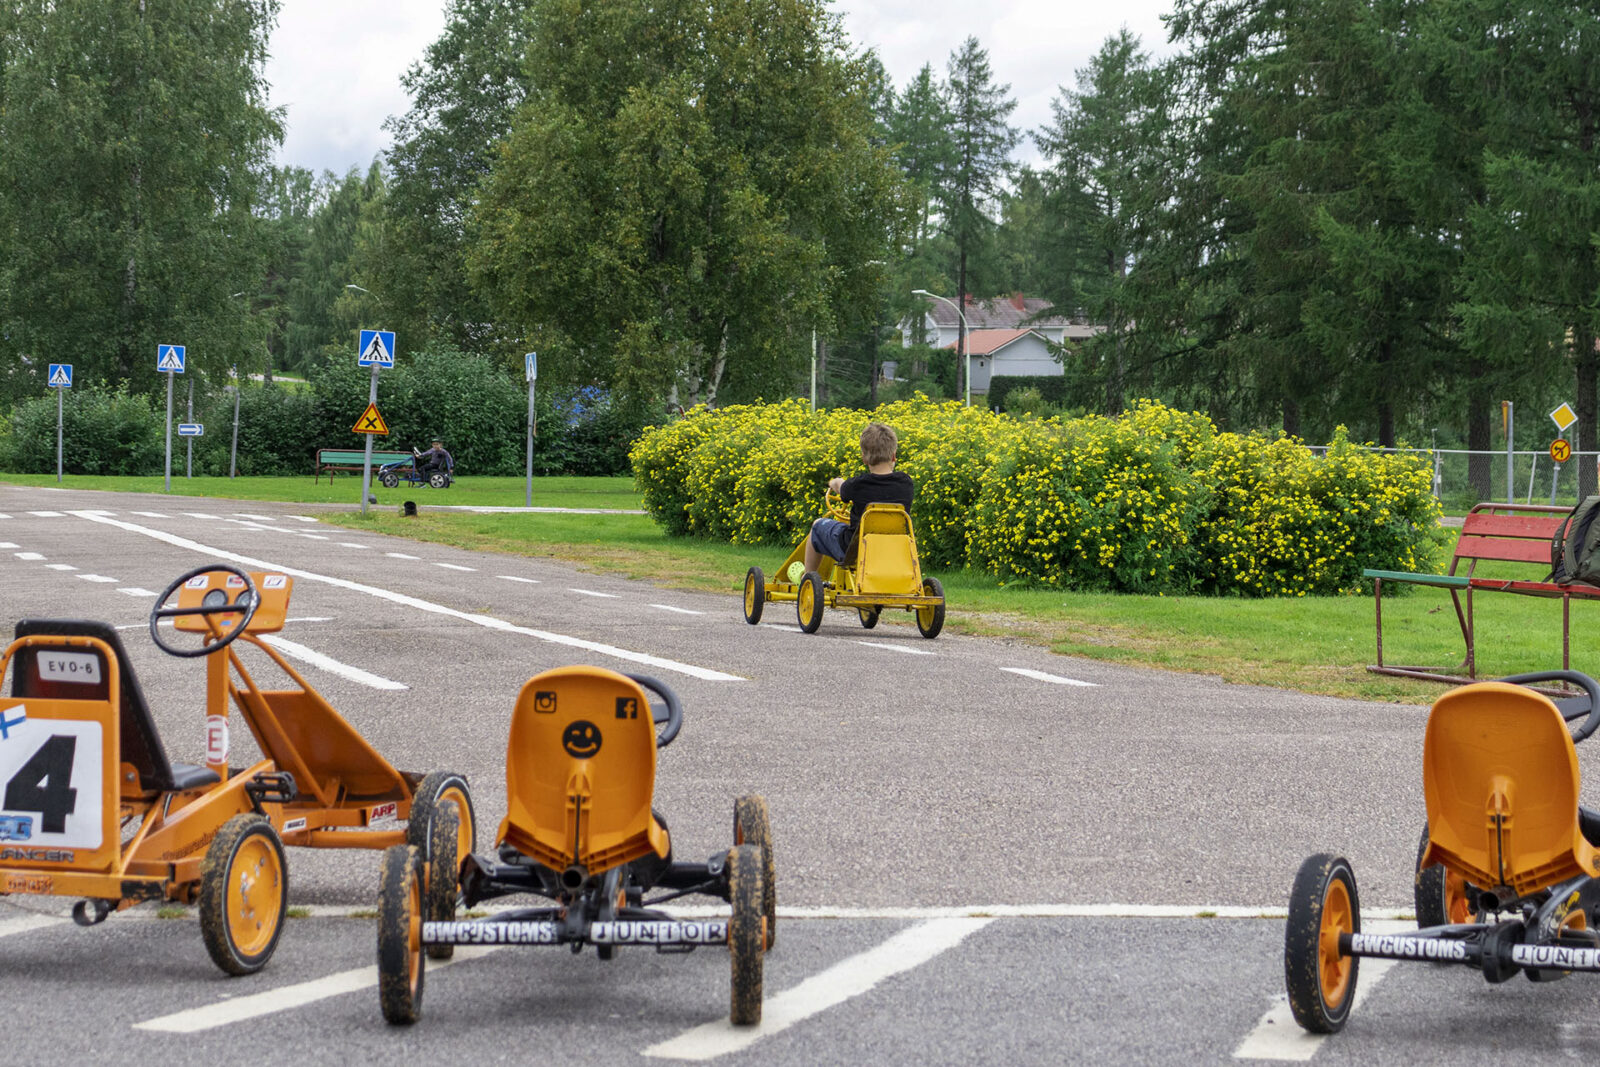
(808,600)
(1333,968)
(464,827)
(749,593)
(413,932)
(1457,907)
(255,895)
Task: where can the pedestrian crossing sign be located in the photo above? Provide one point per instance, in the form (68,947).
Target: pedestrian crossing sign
(377,349)
(169,358)
(61,376)
(371,422)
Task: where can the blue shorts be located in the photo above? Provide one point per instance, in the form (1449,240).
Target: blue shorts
(828,536)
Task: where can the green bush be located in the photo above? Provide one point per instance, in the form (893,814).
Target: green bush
(106,433)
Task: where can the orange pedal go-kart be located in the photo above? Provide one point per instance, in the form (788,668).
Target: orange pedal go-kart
(92,807)
(1507,869)
(882,571)
(580,832)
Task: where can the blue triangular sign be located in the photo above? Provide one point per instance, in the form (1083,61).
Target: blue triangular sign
(60,375)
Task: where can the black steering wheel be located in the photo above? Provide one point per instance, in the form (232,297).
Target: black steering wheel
(670,712)
(1573,707)
(215,603)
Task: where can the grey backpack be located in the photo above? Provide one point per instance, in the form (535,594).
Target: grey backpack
(1575,546)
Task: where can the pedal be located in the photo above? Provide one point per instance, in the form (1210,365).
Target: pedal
(270,787)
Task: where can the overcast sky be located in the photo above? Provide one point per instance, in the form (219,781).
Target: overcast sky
(336,64)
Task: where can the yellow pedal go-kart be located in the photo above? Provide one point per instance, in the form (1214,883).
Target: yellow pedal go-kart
(580,832)
(884,572)
(92,807)
(1506,877)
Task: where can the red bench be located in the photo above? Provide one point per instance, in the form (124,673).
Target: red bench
(1501,533)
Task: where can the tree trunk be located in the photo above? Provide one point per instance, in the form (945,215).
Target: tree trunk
(822,374)
(1478,434)
(1385,405)
(1291,417)
(1584,367)
(961,325)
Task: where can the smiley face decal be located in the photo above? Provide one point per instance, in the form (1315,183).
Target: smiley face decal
(581,739)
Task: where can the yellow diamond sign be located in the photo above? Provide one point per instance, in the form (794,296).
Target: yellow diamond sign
(1564,416)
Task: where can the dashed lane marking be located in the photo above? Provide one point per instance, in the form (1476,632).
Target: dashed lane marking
(30,556)
(400,555)
(61,566)
(1041,676)
(133,590)
(314,537)
(349,544)
(781,626)
(3,516)
(898,648)
(238,1009)
(511,578)
(24,923)
(257,518)
(202,515)
(302,518)
(96,578)
(848,978)
(592,592)
(488,622)
(454,567)
(680,611)
(46,514)
(151,514)
(329,664)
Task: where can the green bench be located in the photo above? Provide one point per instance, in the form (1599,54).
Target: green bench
(351,460)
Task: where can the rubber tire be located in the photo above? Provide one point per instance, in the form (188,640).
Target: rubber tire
(810,591)
(443,886)
(439,480)
(931,620)
(752,827)
(869,617)
(402,965)
(1322,880)
(423,802)
(755,595)
(220,873)
(389,479)
(1440,897)
(744,934)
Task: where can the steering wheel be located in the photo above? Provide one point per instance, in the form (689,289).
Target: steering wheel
(834,507)
(1571,707)
(209,606)
(671,713)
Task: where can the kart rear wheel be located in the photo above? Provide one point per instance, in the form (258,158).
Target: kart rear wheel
(438,790)
(401,967)
(1441,895)
(389,479)
(930,620)
(439,480)
(755,595)
(244,894)
(808,602)
(744,934)
(1322,906)
(443,885)
(751,827)
(869,617)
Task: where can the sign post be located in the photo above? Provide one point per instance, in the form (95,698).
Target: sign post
(1509,418)
(375,350)
(60,378)
(188,457)
(531,368)
(169,360)
(233,453)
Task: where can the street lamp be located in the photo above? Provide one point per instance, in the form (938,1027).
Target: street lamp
(962,342)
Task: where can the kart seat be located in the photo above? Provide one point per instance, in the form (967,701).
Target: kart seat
(1500,777)
(140,743)
(888,552)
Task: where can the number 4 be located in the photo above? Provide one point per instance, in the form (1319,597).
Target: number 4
(44,784)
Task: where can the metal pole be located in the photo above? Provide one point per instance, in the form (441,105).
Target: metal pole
(528,496)
(366,463)
(813,370)
(188,442)
(233,454)
(169,432)
(1511,425)
(59,391)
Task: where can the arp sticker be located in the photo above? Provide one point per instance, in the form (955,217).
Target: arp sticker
(544,702)
(581,739)
(383,812)
(235,582)
(69,667)
(199,581)
(274,581)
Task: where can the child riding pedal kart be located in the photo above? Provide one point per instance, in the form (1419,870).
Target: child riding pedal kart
(580,831)
(1507,868)
(434,468)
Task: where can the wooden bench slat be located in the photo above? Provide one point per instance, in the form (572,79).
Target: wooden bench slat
(1538,527)
(1443,581)
(1530,588)
(1490,548)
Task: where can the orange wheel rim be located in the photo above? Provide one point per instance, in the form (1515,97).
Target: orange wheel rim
(255,895)
(1333,967)
(464,825)
(413,932)
(1457,906)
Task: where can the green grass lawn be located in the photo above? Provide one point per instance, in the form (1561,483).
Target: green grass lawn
(1314,644)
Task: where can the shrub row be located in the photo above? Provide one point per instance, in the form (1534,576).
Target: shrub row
(478,408)
(1157,501)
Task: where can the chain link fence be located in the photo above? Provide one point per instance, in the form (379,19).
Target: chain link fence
(1534,478)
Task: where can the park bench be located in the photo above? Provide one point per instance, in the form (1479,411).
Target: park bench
(1497,533)
(350,459)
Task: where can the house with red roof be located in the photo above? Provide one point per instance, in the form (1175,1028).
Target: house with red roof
(1010,335)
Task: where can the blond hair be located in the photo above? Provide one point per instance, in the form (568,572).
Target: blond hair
(878,444)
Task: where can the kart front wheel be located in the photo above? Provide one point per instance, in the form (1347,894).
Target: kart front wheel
(755,595)
(244,894)
(808,602)
(869,617)
(1442,896)
(442,789)
(1321,980)
(930,620)
(751,827)
(389,479)
(443,882)
(401,967)
(744,934)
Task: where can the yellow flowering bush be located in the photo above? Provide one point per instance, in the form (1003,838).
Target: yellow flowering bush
(1156,501)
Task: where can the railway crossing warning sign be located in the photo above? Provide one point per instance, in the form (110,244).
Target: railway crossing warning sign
(371,422)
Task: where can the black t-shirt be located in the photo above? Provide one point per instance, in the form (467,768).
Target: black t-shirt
(869,488)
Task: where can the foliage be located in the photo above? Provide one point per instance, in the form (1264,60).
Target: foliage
(1157,501)
(102,433)
(1052,389)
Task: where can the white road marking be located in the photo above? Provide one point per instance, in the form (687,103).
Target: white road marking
(314,537)
(680,611)
(1041,676)
(302,518)
(591,592)
(782,626)
(152,514)
(848,978)
(511,577)
(898,648)
(454,567)
(46,514)
(329,664)
(61,566)
(310,618)
(30,556)
(350,544)
(255,1005)
(202,515)
(1278,1037)
(258,518)
(3,516)
(96,578)
(400,555)
(7,544)
(133,590)
(487,621)
(24,923)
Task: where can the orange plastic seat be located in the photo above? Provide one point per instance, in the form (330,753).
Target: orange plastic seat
(1500,777)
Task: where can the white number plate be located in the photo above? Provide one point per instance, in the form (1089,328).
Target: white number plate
(50,787)
(70,667)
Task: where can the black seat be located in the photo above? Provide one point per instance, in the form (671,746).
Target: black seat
(140,743)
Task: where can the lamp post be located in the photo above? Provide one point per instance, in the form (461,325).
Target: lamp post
(961,354)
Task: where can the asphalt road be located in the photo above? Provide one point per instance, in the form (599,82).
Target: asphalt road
(1054,827)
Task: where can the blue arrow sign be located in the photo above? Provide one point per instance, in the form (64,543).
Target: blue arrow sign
(169,358)
(191,429)
(61,376)
(377,349)
(531,365)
